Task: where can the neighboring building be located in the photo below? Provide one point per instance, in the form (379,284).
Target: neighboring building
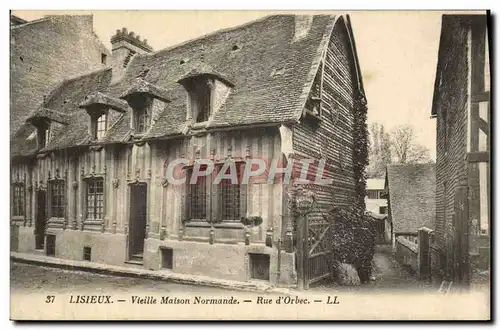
(376,205)
(43,53)
(375,198)
(411,192)
(461,106)
(90,174)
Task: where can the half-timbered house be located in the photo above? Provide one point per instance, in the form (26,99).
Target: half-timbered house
(461,106)
(89,166)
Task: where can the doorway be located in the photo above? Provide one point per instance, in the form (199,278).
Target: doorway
(41,219)
(137,221)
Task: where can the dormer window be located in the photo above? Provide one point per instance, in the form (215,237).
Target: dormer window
(102,125)
(99,125)
(43,132)
(142,118)
(313,103)
(146,100)
(98,105)
(203,84)
(200,99)
(44,119)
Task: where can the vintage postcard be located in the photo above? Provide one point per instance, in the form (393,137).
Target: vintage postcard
(250,165)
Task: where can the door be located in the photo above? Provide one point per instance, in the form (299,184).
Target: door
(41,219)
(137,221)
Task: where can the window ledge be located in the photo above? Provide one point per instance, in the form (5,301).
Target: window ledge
(57,220)
(17,217)
(138,136)
(200,125)
(204,224)
(92,221)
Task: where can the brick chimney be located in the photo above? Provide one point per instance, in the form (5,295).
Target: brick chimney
(302,26)
(124,45)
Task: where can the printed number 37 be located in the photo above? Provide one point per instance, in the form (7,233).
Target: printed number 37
(50,299)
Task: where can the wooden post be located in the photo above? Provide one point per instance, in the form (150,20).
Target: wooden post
(424,267)
(305,248)
(301,253)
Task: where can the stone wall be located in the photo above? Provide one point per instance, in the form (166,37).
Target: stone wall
(407,253)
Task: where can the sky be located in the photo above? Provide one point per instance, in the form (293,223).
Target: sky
(397,52)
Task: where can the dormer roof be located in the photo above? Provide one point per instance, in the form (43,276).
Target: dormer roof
(43,113)
(202,69)
(98,98)
(139,86)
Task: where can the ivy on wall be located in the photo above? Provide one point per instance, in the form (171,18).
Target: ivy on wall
(360,149)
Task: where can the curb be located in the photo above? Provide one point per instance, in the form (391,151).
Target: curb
(145,274)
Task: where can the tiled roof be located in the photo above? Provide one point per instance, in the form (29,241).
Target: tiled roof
(259,96)
(66,98)
(412,195)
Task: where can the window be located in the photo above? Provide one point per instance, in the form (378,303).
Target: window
(95,198)
(201,100)
(18,200)
(87,253)
(101,126)
(228,199)
(57,198)
(372,194)
(46,136)
(166,258)
(313,103)
(259,266)
(141,119)
(198,196)
(382,210)
(231,197)
(43,135)
(104,58)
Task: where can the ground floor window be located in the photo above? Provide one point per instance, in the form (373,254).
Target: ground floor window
(18,206)
(57,198)
(95,198)
(227,199)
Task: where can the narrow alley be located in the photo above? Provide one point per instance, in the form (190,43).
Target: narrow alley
(388,274)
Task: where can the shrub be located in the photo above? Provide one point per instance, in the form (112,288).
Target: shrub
(353,239)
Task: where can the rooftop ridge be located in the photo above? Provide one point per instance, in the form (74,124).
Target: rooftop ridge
(211,34)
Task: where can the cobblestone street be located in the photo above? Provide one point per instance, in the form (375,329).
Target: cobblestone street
(37,279)
(389,276)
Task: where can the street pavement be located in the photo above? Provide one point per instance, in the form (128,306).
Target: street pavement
(39,279)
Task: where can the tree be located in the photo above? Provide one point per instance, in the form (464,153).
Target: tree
(406,149)
(397,147)
(380,151)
